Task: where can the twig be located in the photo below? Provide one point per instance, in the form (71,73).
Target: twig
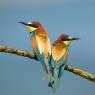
(80,72)
(23,53)
(6,49)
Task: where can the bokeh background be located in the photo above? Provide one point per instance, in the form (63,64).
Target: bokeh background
(22,76)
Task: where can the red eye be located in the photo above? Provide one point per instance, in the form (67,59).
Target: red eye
(34,25)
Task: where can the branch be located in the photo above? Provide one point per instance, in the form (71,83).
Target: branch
(23,53)
(81,73)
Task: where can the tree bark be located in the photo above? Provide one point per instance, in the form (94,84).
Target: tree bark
(72,69)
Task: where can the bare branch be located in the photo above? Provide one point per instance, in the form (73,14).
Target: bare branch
(23,53)
(81,73)
(6,49)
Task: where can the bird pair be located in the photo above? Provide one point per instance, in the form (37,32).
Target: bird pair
(52,59)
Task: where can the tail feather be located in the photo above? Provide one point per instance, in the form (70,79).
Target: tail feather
(55,80)
(47,75)
(46,69)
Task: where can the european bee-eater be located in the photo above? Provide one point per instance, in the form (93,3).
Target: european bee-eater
(40,44)
(58,58)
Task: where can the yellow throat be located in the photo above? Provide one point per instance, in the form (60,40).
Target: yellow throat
(67,43)
(31,29)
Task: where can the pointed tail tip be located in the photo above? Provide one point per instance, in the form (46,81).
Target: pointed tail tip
(50,85)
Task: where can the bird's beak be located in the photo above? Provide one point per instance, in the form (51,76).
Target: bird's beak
(26,24)
(75,38)
(29,26)
(69,40)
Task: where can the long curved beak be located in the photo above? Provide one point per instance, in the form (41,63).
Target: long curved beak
(25,23)
(75,38)
(31,27)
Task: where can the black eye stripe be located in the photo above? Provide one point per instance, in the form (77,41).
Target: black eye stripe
(35,26)
(29,24)
(66,39)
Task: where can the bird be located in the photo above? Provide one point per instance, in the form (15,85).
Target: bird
(40,44)
(59,56)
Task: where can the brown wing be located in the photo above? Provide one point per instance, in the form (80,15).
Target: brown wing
(44,45)
(58,52)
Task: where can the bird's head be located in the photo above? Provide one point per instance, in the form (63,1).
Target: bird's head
(31,26)
(66,39)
